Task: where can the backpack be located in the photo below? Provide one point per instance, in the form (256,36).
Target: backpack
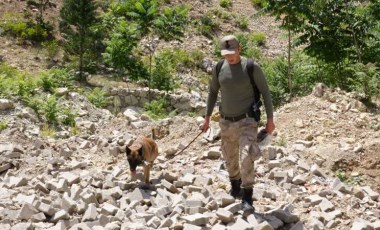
(250,68)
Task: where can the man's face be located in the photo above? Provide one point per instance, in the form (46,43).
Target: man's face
(233,58)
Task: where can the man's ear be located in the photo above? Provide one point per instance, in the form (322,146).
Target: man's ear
(128,150)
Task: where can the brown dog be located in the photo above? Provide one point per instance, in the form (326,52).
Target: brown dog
(143,151)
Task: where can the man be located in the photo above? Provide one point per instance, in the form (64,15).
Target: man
(238,126)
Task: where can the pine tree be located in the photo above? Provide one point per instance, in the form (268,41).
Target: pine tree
(78,17)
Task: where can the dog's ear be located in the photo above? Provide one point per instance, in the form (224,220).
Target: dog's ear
(128,150)
(141,151)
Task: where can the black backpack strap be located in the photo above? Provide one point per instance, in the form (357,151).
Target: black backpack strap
(219,67)
(250,69)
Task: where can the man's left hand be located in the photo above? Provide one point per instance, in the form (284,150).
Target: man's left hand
(270,126)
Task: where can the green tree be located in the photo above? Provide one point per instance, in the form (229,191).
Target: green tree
(291,13)
(42,6)
(144,13)
(148,21)
(120,51)
(340,33)
(78,18)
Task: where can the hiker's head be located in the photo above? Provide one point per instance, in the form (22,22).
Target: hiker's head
(230,49)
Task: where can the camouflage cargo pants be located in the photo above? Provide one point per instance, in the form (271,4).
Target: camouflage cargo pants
(240,149)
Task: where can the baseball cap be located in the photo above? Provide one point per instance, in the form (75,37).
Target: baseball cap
(229,44)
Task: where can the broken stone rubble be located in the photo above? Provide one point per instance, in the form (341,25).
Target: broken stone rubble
(58,184)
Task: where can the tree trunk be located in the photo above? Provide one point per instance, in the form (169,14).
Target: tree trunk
(81,51)
(289,67)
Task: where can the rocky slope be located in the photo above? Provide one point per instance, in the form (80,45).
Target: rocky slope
(83,182)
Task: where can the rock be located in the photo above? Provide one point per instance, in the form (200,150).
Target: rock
(196,219)
(6,104)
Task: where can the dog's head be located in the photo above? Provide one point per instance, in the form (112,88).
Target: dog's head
(134,156)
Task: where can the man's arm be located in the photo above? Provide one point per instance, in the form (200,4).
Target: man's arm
(262,85)
(211,100)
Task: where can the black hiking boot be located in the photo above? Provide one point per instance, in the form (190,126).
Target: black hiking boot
(247,202)
(235,188)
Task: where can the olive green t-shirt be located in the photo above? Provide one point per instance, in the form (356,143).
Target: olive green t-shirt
(236,89)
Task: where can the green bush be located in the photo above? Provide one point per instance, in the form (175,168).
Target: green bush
(15,83)
(52,48)
(180,58)
(225,3)
(47,83)
(26,88)
(207,26)
(259,38)
(341,175)
(363,79)
(163,74)
(26,30)
(3,125)
(51,109)
(253,52)
(55,78)
(35,102)
(242,22)
(275,71)
(47,131)
(259,3)
(220,13)
(68,117)
(98,97)
(156,108)
(9,80)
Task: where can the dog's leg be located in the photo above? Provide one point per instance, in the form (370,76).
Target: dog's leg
(147,173)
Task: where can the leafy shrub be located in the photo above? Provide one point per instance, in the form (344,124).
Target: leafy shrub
(34,102)
(276,74)
(35,32)
(55,78)
(51,47)
(120,53)
(162,74)
(220,13)
(341,175)
(47,83)
(207,26)
(47,131)
(68,117)
(26,30)
(51,109)
(98,97)
(172,22)
(26,88)
(9,80)
(253,52)
(363,79)
(225,3)
(180,58)
(15,83)
(204,78)
(3,125)
(242,22)
(259,38)
(259,3)
(156,108)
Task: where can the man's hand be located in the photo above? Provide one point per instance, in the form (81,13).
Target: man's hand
(206,124)
(270,126)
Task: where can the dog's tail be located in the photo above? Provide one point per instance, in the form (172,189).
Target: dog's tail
(154,131)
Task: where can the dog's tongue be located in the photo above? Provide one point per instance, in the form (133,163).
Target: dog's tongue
(133,173)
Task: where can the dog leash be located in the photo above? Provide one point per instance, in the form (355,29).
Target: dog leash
(189,143)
